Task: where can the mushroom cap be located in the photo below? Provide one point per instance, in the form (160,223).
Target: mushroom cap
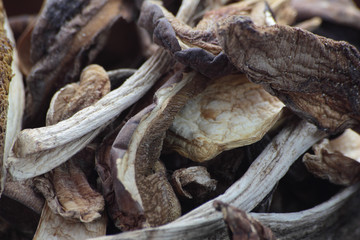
(230,113)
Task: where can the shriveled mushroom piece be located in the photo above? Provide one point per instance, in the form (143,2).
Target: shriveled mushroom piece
(193,182)
(337,160)
(11,94)
(229,113)
(314,76)
(66,188)
(198,47)
(242,225)
(339,11)
(53,226)
(142,193)
(66,37)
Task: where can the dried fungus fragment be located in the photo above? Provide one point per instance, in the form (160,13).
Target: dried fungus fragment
(193,182)
(52,226)
(314,76)
(67,36)
(142,193)
(198,47)
(11,94)
(66,188)
(231,112)
(94,84)
(337,160)
(242,225)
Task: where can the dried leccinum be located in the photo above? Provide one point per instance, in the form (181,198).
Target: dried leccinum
(321,79)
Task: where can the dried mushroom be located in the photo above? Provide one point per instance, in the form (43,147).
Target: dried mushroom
(247,192)
(229,113)
(143,195)
(69,197)
(66,188)
(314,76)
(337,160)
(199,47)
(242,225)
(66,37)
(193,182)
(52,226)
(11,95)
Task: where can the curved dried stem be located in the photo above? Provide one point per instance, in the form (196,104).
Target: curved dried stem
(246,193)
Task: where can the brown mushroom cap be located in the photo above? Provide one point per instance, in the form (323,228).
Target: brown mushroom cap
(230,113)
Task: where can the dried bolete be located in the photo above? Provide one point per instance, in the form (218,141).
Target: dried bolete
(242,225)
(142,195)
(316,77)
(229,113)
(11,95)
(337,160)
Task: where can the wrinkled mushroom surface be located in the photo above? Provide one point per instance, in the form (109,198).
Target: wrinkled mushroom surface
(320,80)
(231,112)
(336,160)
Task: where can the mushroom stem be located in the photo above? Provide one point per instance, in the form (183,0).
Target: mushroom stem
(246,193)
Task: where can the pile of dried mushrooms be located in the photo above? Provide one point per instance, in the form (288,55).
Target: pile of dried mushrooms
(170,119)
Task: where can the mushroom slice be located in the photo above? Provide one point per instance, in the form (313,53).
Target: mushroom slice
(143,195)
(67,36)
(314,76)
(337,160)
(11,94)
(193,182)
(198,47)
(52,226)
(229,113)
(242,225)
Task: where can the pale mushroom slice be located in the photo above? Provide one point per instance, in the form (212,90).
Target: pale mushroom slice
(11,94)
(229,113)
(337,160)
(52,226)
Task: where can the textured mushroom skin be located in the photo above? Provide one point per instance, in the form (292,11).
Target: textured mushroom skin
(6,51)
(162,26)
(231,112)
(316,77)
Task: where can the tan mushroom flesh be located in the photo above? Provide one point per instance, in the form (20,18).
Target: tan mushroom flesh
(230,113)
